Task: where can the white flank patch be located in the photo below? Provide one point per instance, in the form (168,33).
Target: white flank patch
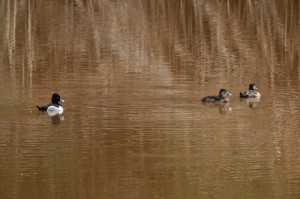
(53,110)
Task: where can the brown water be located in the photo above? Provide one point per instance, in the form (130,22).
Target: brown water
(132,74)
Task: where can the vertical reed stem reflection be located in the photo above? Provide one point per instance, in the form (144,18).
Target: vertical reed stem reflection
(196,37)
(30,48)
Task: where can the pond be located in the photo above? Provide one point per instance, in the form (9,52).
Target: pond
(132,75)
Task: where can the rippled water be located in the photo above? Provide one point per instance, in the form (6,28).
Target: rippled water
(132,75)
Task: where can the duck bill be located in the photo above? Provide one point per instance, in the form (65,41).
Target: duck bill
(61,100)
(229,94)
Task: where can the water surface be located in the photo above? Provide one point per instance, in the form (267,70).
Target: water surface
(132,75)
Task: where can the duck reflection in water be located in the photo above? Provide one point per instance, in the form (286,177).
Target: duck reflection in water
(221,101)
(56,119)
(252,102)
(223,107)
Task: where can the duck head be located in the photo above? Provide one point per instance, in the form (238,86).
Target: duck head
(252,87)
(56,99)
(223,93)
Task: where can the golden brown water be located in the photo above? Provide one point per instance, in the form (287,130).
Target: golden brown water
(132,75)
